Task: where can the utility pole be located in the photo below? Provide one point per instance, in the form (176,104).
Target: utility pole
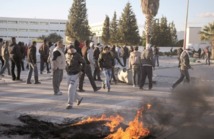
(185,32)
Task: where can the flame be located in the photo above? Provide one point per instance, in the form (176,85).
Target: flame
(135,130)
(114,121)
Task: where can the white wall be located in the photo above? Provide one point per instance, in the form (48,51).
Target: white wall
(28,29)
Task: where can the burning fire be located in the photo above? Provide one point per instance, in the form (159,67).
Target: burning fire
(114,121)
(135,128)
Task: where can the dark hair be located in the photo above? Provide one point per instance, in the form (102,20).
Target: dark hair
(106,47)
(1,40)
(34,42)
(87,42)
(76,43)
(50,43)
(136,48)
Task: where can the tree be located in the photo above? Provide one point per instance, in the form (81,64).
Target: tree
(173,33)
(106,30)
(150,9)
(163,34)
(77,26)
(207,34)
(128,30)
(53,37)
(114,30)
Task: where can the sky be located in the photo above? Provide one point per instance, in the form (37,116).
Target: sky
(201,12)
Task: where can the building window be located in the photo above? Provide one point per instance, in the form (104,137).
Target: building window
(23,37)
(33,30)
(33,23)
(23,30)
(54,30)
(3,21)
(3,29)
(56,23)
(43,30)
(44,23)
(11,29)
(12,22)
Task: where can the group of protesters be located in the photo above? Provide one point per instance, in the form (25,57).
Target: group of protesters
(80,59)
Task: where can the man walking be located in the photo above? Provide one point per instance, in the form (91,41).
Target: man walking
(96,74)
(156,56)
(124,54)
(58,67)
(105,63)
(147,64)
(87,70)
(44,53)
(31,56)
(15,56)
(1,58)
(74,62)
(5,56)
(184,67)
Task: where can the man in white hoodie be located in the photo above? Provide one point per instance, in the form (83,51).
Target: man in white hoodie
(134,65)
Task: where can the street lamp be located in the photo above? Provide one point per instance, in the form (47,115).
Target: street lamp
(185,32)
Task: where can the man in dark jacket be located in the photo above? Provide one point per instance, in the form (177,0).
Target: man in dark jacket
(147,64)
(15,56)
(106,63)
(44,54)
(96,54)
(87,70)
(124,54)
(74,63)
(31,56)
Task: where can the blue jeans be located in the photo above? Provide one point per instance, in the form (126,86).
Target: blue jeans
(108,74)
(72,81)
(32,69)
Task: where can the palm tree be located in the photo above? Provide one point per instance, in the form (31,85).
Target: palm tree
(207,34)
(150,9)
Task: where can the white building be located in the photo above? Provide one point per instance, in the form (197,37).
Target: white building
(193,38)
(28,29)
(97,30)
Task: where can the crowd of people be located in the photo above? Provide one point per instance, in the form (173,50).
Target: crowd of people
(80,59)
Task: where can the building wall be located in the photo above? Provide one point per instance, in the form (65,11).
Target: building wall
(193,38)
(28,29)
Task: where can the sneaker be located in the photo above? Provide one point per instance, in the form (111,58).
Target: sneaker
(28,83)
(134,86)
(108,90)
(81,90)
(69,107)
(58,94)
(99,80)
(103,85)
(79,101)
(37,83)
(98,88)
